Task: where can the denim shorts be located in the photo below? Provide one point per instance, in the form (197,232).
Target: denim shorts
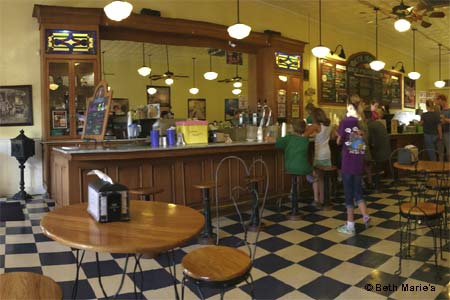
(352,189)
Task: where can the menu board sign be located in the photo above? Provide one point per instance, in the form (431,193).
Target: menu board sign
(332,82)
(97,113)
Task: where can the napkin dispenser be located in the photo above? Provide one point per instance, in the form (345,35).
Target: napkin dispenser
(107,201)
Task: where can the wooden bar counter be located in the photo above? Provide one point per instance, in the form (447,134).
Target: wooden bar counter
(175,169)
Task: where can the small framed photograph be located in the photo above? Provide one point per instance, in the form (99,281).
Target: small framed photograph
(234,58)
(409,100)
(16,105)
(153,111)
(120,106)
(197,109)
(162,97)
(59,119)
(231,108)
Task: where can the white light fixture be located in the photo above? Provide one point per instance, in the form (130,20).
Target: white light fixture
(151,90)
(283,78)
(237,84)
(320,51)
(236,91)
(376,65)
(239,31)
(439,83)
(169,81)
(414,75)
(54,86)
(402,25)
(193,90)
(144,70)
(118,10)
(210,75)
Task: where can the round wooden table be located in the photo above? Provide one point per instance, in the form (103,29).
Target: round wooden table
(27,285)
(425,166)
(154,227)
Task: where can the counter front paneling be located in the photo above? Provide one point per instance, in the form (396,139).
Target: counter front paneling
(175,169)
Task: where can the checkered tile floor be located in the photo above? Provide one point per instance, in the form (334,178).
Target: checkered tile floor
(305,259)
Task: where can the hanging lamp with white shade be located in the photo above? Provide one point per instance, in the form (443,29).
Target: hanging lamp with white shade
(151,90)
(320,51)
(118,10)
(193,90)
(236,91)
(439,83)
(144,70)
(402,25)
(376,64)
(210,75)
(413,74)
(239,30)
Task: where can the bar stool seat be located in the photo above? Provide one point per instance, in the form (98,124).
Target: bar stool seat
(294,215)
(329,172)
(146,193)
(207,236)
(252,182)
(27,285)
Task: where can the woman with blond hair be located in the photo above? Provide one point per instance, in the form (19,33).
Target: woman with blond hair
(432,129)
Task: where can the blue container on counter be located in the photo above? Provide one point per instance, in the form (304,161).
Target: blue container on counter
(154,138)
(171,140)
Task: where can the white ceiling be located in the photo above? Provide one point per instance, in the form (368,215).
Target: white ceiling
(358,16)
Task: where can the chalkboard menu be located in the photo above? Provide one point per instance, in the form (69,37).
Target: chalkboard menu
(337,79)
(96,117)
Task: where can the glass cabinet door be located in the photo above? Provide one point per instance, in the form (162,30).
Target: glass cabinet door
(84,88)
(58,78)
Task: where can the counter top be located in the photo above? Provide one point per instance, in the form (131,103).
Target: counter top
(146,147)
(93,142)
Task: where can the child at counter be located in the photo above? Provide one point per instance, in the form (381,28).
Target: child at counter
(352,167)
(295,148)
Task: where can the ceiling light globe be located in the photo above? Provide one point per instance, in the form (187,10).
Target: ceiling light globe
(194,91)
(239,31)
(402,25)
(320,51)
(414,75)
(236,91)
(210,75)
(439,84)
(237,84)
(169,81)
(118,10)
(144,71)
(283,78)
(377,65)
(151,90)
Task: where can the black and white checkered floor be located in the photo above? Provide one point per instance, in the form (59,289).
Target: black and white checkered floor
(305,259)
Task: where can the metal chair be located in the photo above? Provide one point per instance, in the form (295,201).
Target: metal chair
(220,266)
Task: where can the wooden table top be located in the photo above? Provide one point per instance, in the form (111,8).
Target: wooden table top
(27,285)
(425,165)
(154,227)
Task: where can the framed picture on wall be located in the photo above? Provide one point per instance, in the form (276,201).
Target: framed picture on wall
(16,105)
(59,119)
(409,98)
(162,97)
(231,108)
(120,106)
(197,109)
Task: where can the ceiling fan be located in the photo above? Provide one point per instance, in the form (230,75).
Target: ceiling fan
(168,74)
(420,13)
(236,78)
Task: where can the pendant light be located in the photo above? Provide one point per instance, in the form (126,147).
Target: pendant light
(414,75)
(320,51)
(118,10)
(236,91)
(193,90)
(144,70)
(376,64)
(439,83)
(239,31)
(402,25)
(151,90)
(210,75)
(237,83)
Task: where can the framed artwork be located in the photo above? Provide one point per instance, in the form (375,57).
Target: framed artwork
(162,97)
(153,111)
(197,109)
(16,105)
(231,108)
(234,58)
(409,99)
(120,106)
(59,119)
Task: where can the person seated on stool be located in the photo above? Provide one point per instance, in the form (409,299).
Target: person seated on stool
(320,129)
(295,147)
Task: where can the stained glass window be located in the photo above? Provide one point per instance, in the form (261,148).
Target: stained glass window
(288,62)
(70,42)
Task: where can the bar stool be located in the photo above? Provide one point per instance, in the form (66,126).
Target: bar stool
(252,183)
(294,215)
(207,236)
(329,173)
(146,193)
(27,285)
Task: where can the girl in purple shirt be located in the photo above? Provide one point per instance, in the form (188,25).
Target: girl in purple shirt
(353,149)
